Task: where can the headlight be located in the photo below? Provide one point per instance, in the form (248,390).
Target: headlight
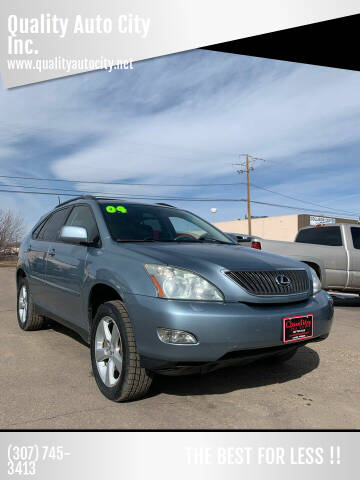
(315,280)
(178,284)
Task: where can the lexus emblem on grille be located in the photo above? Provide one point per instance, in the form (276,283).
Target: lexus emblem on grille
(283,280)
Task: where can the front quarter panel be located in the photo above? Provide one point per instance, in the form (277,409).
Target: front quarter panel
(23,263)
(119,269)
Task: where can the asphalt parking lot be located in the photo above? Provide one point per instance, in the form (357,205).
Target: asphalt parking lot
(46,383)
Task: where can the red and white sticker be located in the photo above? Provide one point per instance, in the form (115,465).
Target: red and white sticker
(297,328)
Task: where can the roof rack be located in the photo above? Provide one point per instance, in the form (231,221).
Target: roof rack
(87,197)
(97,197)
(165,204)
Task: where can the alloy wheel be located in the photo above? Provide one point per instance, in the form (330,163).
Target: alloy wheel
(23,304)
(108,351)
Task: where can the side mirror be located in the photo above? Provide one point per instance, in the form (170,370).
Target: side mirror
(75,235)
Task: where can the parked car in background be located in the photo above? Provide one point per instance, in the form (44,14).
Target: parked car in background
(246,240)
(333,251)
(156,289)
(9,251)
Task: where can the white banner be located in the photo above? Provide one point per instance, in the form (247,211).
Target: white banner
(43,40)
(179,455)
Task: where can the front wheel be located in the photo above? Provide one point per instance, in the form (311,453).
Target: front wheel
(114,357)
(27,317)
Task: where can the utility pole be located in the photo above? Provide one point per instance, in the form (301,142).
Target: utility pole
(246,168)
(248,192)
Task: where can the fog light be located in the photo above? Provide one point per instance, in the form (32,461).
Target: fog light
(178,337)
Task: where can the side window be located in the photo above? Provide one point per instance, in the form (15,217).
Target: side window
(355,233)
(330,236)
(37,230)
(51,229)
(82,216)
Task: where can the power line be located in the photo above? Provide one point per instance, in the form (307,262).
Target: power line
(118,195)
(180,199)
(121,183)
(162,185)
(301,200)
(330,210)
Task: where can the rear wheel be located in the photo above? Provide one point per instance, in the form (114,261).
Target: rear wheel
(114,357)
(27,317)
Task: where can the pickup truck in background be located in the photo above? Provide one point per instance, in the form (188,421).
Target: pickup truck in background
(333,251)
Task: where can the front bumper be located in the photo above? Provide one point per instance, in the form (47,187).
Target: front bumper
(221,328)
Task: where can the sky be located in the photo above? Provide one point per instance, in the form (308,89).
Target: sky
(184,119)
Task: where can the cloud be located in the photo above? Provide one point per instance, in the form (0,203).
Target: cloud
(205,123)
(184,119)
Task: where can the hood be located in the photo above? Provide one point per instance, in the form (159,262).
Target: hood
(211,259)
(196,255)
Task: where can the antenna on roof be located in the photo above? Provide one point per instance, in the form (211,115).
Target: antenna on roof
(59,199)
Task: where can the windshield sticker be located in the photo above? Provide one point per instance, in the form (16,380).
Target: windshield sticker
(119,209)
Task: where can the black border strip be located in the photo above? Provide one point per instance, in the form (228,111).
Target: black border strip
(332,43)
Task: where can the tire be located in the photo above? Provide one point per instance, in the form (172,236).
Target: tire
(25,307)
(119,381)
(283,357)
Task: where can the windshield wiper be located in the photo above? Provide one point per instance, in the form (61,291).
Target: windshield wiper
(191,240)
(200,240)
(123,240)
(214,240)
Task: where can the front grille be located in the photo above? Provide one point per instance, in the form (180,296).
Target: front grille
(265,283)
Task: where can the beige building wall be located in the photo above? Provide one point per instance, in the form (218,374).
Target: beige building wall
(284,227)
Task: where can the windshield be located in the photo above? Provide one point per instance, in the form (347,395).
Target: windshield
(148,223)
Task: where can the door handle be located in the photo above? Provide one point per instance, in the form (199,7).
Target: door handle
(52,252)
(29,248)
